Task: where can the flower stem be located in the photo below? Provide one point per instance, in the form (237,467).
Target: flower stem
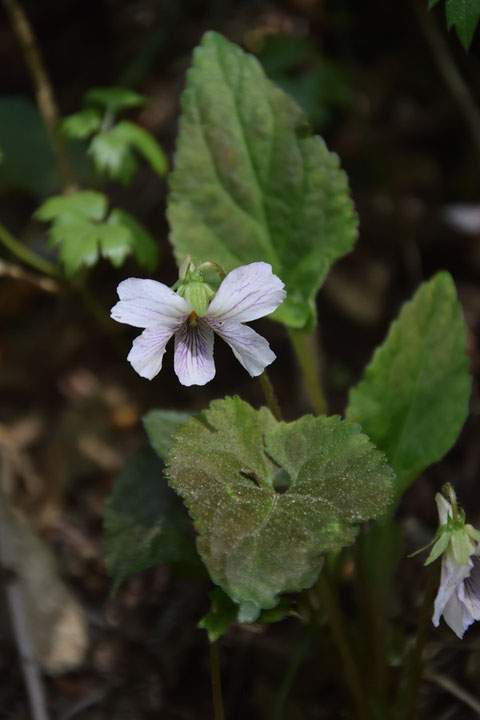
(372,602)
(43,90)
(268,391)
(218,712)
(308,360)
(337,623)
(25,254)
(295,663)
(408,707)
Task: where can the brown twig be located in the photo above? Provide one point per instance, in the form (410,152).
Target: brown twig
(47,284)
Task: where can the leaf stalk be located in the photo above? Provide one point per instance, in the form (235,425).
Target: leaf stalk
(22,252)
(309,362)
(270,397)
(218,711)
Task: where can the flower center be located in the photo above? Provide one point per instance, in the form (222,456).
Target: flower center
(193,318)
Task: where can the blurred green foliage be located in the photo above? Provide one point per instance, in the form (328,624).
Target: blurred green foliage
(318,84)
(83,230)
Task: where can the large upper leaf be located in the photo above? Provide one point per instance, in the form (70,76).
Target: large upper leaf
(145,524)
(269,499)
(413,399)
(251,183)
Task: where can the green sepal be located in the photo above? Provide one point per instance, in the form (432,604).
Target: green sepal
(440,545)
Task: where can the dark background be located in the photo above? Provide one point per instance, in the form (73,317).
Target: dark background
(370,77)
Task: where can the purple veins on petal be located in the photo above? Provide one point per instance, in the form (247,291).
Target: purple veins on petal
(251,349)
(247,293)
(147,351)
(193,360)
(148,303)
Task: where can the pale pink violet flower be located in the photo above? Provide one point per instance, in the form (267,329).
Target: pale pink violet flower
(246,293)
(458,597)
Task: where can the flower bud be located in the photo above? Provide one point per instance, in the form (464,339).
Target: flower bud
(198,295)
(191,286)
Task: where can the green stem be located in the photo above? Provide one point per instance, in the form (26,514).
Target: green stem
(268,391)
(292,670)
(27,256)
(218,712)
(372,603)
(337,624)
(307,356)
(409,706)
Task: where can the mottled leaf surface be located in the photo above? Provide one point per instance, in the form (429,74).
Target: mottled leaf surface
(251,183)
(413,399)
(256,541)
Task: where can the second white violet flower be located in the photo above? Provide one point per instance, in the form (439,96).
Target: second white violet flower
(458,597)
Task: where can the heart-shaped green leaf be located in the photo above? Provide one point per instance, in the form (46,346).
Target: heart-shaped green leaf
(268,499)
(251,183)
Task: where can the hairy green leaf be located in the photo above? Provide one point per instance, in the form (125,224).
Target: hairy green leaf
(413,399)
(114,98)
(145,524)
(257,538)
(160,426)
(251,183)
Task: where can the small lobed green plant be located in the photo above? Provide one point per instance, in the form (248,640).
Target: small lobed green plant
(114,143)
(83,228)
(257,197)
